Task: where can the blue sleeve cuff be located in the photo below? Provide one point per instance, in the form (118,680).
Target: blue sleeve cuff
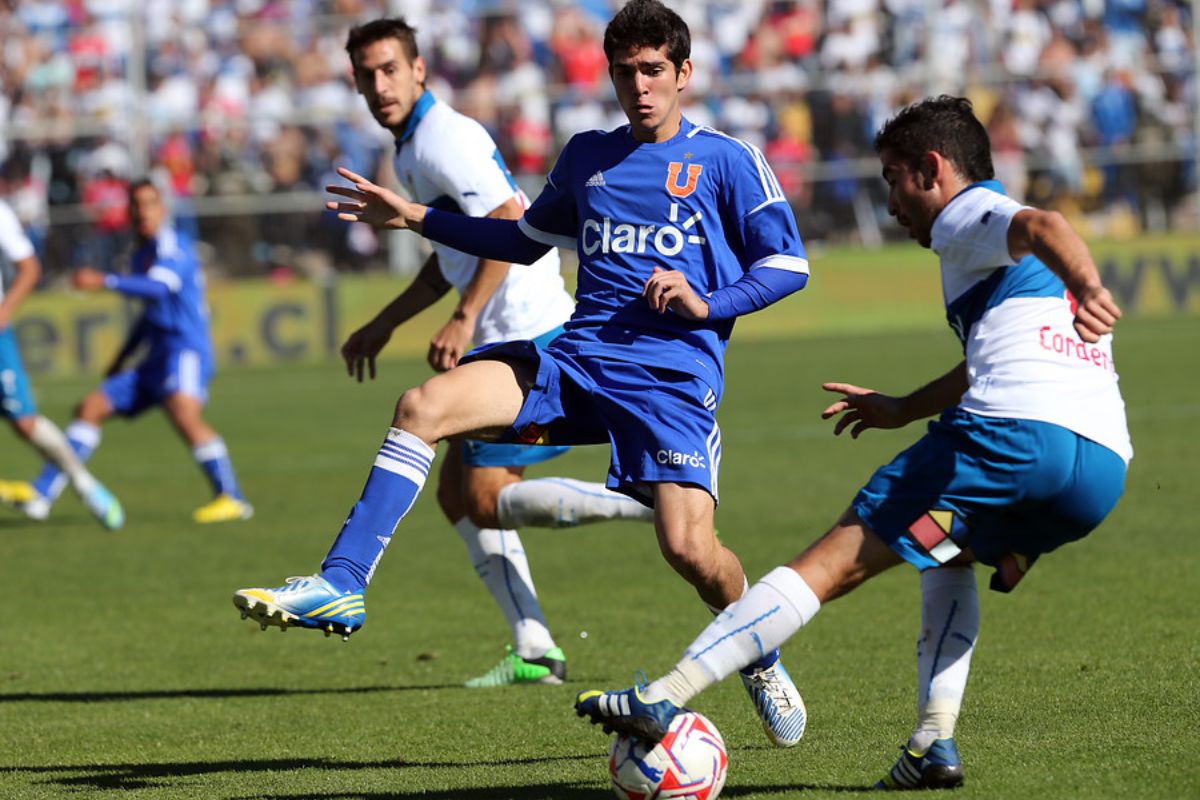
(753,291)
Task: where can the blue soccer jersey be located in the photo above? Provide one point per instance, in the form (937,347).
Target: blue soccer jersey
(178,317)
(703,203)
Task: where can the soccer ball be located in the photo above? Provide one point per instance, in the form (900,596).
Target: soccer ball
(689,762)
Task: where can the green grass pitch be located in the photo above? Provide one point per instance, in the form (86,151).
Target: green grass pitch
(125,671)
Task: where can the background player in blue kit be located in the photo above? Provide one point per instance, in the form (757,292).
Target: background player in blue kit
(1029,452)
(176,369)
(679,229)
(16,397)
(447,159)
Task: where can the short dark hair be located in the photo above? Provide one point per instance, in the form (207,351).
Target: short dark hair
(648,23)
(142,183)
(387,28)
(945,125)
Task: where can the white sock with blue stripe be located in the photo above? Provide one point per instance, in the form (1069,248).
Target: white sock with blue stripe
(949,629)
(84,438)
(763,619)
(564,503)
(213,458)
(500,562)
(396,478)
(54,445)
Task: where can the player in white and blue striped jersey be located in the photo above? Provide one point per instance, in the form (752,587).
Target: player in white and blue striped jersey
(173,330)
(1028,453)
(679,230)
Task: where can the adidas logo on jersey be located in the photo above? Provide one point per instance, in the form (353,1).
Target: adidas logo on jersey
(596,180)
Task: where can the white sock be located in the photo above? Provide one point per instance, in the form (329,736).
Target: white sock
(53,444)
(564,503)
(949,629)
(500,562)
(763,619)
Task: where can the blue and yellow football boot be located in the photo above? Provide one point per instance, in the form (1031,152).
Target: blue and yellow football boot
(626,712)
(939,767)
(308,602)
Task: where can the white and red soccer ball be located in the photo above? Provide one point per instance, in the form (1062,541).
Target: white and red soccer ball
(690,762)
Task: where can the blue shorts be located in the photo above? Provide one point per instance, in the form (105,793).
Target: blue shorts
(163,373)
(16,395)
(494,454)
(661,423)
(1009,489)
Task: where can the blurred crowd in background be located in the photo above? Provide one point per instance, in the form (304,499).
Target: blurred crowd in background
(240,109)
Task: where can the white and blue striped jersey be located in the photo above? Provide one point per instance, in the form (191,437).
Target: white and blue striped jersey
(14,244)
(180,320)
(1015,320)
(703,203)
(447,161)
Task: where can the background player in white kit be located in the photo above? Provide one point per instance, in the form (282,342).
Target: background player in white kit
(447,160)
(16,398)
(1029,452)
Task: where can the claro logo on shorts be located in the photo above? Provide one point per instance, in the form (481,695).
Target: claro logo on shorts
(677,459)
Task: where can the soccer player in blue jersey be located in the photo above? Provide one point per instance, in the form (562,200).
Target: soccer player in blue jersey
(176,369)
(446,159)
(1029,451)
(679,229)
(16,397)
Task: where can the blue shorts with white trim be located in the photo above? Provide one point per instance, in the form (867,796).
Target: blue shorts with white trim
(162,373)
(661,423)
(1010,489)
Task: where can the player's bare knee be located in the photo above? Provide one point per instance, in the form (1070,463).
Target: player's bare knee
(414,415)
(92,408)
(689,557)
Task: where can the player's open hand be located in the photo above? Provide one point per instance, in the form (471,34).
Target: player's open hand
(362,346)
(863,409)
(1095,314)
(88,279)
(670,289)
(373,204)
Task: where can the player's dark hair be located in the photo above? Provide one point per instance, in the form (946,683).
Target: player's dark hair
(945,125)
(648,23)
(142,183)
(387,28)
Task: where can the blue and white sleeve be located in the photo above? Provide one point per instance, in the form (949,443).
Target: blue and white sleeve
(773,255)
(553,218)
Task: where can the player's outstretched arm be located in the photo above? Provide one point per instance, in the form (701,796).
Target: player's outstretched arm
(865,408)
(1049,236)
(373,204)
(362,346)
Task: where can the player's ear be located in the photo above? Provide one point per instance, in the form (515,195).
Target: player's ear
(683,74)
(418,68)
(932,164)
